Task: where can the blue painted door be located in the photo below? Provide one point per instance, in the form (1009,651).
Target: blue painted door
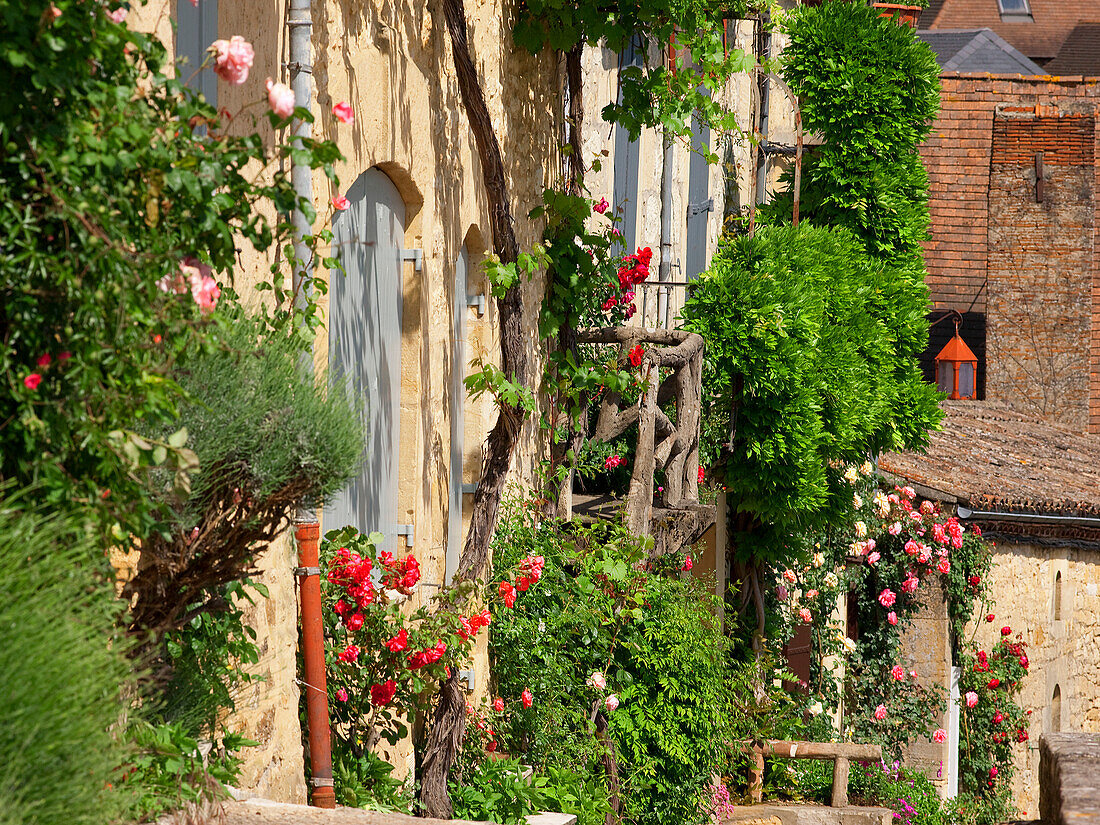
(365,347)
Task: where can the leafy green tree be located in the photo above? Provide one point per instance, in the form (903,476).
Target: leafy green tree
(810,364)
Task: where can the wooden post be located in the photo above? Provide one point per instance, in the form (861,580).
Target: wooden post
(840,782)
(756,778)
(639,500)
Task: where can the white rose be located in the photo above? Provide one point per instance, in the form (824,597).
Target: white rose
(861,530)
(597,681)
(611,702)
(815,708)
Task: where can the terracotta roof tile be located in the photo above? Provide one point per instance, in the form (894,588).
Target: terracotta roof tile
(1039,38)
(1080,53)
(994,458)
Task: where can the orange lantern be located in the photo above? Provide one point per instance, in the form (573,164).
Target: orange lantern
(957,369)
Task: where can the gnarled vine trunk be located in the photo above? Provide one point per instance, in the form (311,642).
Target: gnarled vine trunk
(449,722)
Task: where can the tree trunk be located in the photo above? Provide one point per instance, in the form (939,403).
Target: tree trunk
(449,722)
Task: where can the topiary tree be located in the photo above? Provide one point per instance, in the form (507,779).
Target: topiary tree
(810,364)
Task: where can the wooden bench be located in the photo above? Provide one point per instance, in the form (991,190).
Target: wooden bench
(840,752)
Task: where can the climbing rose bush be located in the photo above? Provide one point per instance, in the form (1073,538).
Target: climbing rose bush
(385,657)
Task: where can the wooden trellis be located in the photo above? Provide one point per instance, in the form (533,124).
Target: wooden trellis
(662,444)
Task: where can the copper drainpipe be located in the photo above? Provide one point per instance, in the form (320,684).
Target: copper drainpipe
(313,655)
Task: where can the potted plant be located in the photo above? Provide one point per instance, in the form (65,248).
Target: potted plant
(904,14)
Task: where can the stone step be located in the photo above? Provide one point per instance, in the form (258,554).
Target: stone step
(794,813)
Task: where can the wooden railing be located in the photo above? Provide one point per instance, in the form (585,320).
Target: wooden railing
(662,444)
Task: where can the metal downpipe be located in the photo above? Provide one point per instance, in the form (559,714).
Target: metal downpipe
(308,530)
(664,272)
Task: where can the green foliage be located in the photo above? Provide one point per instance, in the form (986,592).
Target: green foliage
(208,658)
(62,673)
(111,175)
(365,781)
(911,795)
(603,607)
(653,93)
(496,790)
(169,769)
(258,421)
(813,344)
(870,87)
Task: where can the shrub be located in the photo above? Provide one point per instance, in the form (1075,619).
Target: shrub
(813,345)
(62,673)
(267,435)
(653,634)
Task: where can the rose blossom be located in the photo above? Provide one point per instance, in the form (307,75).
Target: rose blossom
(118,15)
(340,203)
(280,98)
(993,772)
(343,112)
(232,59)
(601,207)
(873,557)
(597,680)
(939,736)
(341,695)
(898,672)
(998,717)
(383,693)
(611,702)
(1006,631)
(688,564)
(887,597)
(971,698)
(880,712)
(892,617)
(944,566)
(398,642)
(32,381)
(805,616)
(349,654)
(498,704)
(526,698)
(894,529)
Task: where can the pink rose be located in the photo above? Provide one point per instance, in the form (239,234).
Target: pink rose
(340,203)
(873,557)
(887,597)
(597,680)
(811,594)
(998,717)
(688,564)
(498,704)
(32,381)
(611,702)
(971,698)
(892,617)
(280,98)
(880,712)
(898,672)
(993,772)
(343,112)
(910,584)
(118,15)
(341,695)
(939,736)
(894,529)
(601,207)
(790,576)
(805,616)
(232,59)
(944,566)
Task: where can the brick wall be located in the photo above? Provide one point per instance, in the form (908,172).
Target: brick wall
(1030,267)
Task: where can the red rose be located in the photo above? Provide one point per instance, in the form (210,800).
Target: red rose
(383,693)
(1006,631)
(994,683)
(527,698)
(349,654)
(507,593)
(687,565)
(32,381)
(498,704)
(1021,735)
(353,622)
(975,581)
(43,360)
(701,475)
(990,617)
(636,355)
(398,642)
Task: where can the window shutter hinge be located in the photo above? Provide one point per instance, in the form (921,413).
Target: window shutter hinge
(416,256)
(406,530)
(476,301)
(469,488)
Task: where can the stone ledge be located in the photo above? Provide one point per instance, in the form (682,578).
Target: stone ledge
(265,812)
(802,814)
(1069,778)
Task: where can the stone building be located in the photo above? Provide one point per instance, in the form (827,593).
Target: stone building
(1034,490)
(413,309)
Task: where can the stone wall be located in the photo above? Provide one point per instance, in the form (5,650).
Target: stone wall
(1070,769)
(1063,645)
(1028,267)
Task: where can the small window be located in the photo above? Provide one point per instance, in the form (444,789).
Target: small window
(1014,9)
(1058,596)
(1056,710)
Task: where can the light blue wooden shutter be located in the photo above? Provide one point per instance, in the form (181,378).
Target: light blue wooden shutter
(625,195)
(458,414)
(365,347)
(196,29)
(700,203)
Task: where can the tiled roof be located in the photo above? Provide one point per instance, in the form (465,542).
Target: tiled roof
(977,51)
(992,458)
(1040,38)
(1080,53)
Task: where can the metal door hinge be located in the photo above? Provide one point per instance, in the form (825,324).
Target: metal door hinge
(704,206)
(406,530)
(416,256)
(476,301)
(469,488)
